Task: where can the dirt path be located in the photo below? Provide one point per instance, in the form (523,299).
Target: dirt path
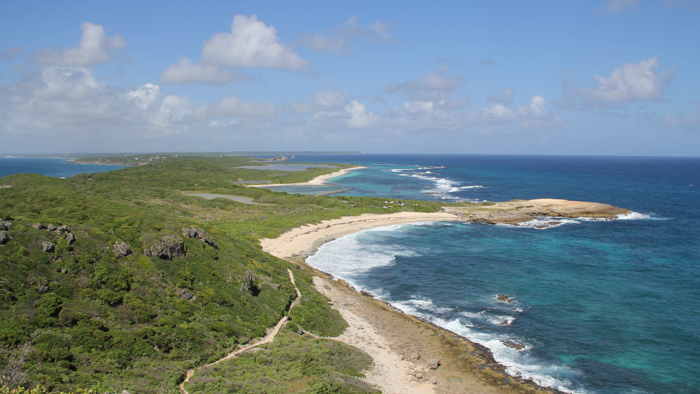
(267,339)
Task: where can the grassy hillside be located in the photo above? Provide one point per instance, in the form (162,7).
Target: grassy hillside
(119,281)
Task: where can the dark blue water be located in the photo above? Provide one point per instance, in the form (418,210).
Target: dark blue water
(603,307)
(53,167)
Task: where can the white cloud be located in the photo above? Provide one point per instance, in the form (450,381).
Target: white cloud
(617,6)
(95,48)
(432,87)
(322,101)
(145,95)
(187,72)
(627,84)
(505,96)
(340,41)
(359,118)
(631,82)
(353,115)
(683,120)
(534,115)
(250,44)
(11,53)
(232,106)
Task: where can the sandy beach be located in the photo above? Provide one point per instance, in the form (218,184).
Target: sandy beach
(410,356)
(318,181)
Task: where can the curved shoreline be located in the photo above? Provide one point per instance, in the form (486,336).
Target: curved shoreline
(400,344)
(318,181)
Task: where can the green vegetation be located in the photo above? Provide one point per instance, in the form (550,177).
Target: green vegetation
(125,299)
(291,363)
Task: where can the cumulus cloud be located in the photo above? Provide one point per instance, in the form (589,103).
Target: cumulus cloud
(250,44)
(95,48)
(322,101)
(627,84)
(187,72)
(432,87)
(534,115)
(353,115)
(10,53)
(340,40)
(617,6)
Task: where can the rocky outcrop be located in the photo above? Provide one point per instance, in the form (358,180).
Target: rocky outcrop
(167,248)
(38,226)
(4,238)
(248,285)
(198,233)
(121,249)
(48,247)
(503,298)
(433,363)
(4,226)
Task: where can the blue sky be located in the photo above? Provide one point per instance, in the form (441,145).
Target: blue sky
(608,77)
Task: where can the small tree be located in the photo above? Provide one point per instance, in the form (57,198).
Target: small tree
(15,372)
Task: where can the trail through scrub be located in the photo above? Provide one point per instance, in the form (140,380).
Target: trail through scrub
(267,339)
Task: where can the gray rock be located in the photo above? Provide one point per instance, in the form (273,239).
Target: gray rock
(186,296)
(48,247)
(38,226)
(4,237)
(198,233)
(43,288)
(121,249)
(433,363)
(51,227)
(168,248)
(62,229)
(70,237)
(5,225)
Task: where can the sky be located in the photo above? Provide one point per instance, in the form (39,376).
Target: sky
(598,77)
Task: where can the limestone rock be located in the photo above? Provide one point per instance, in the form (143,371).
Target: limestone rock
(167,248)
(70,237)
(48,247)
(433,363)
(121,249)
(198,233)
(4,237)
(248,284)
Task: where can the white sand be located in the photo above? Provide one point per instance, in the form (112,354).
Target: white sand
(318,181)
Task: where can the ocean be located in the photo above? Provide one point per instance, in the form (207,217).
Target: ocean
(598,306)
(49,166)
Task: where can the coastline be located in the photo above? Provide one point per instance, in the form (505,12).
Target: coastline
(318,181)
(402,346)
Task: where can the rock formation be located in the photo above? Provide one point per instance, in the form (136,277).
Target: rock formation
(199,233)
(167,248)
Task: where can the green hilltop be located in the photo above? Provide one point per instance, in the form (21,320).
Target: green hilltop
(119,281)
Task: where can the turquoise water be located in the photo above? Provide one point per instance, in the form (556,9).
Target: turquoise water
(604,307)
(53,167)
